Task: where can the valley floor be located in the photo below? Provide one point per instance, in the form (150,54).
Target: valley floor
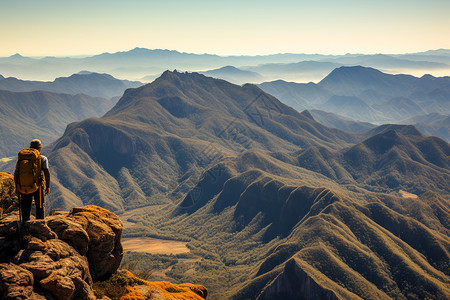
(153,246)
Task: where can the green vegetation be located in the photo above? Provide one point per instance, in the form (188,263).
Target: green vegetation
(115,286)
(171,289)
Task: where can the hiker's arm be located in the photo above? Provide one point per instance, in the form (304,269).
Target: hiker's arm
(47,181)
(16,181)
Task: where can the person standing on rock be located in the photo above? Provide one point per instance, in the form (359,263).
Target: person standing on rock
(31,170)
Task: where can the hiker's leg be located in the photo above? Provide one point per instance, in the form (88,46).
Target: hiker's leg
(25,202)
(39,210)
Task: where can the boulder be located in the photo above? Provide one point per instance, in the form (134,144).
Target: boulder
(40,230)
(8,199)
(93,231)
(15,282)
(70,232)
(61,287)
(104,230)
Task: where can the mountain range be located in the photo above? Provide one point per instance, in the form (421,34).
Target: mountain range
(272,203)
(140,63)
(180,123)
(88,83)
(31,109)
(234,75)
(28,115)
(368,95)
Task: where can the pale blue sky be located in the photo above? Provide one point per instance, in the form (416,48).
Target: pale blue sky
(49,27)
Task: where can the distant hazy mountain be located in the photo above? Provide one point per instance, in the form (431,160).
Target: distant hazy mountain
(134,64)
(234,75)
(339,122)
(303,71)
(366,94)
(140,62)
(298,95)
(44,115)
(295,68)
(92,84)
(388,62)
(352,81)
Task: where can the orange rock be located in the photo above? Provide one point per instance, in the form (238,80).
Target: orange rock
(165,290)
(8,201)
(104,230)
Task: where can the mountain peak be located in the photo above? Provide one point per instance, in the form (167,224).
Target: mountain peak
(17,56)
(385,141)
(428,76)
(85,72)
(169,74)
(409,130)
(307,114)
(346,71)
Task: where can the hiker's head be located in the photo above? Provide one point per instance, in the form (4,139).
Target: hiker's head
(36,144)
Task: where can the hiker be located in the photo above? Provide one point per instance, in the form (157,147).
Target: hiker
(30,182)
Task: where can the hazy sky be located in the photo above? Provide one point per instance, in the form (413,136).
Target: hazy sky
(57,28)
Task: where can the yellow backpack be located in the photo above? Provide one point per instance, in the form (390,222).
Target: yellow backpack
(28,170)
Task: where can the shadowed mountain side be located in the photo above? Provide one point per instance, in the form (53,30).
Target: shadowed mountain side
(177,125)
(393,159)
(25,116)
(92,84)
(251,175)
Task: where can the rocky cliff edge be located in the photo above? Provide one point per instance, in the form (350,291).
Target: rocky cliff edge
(62,256)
